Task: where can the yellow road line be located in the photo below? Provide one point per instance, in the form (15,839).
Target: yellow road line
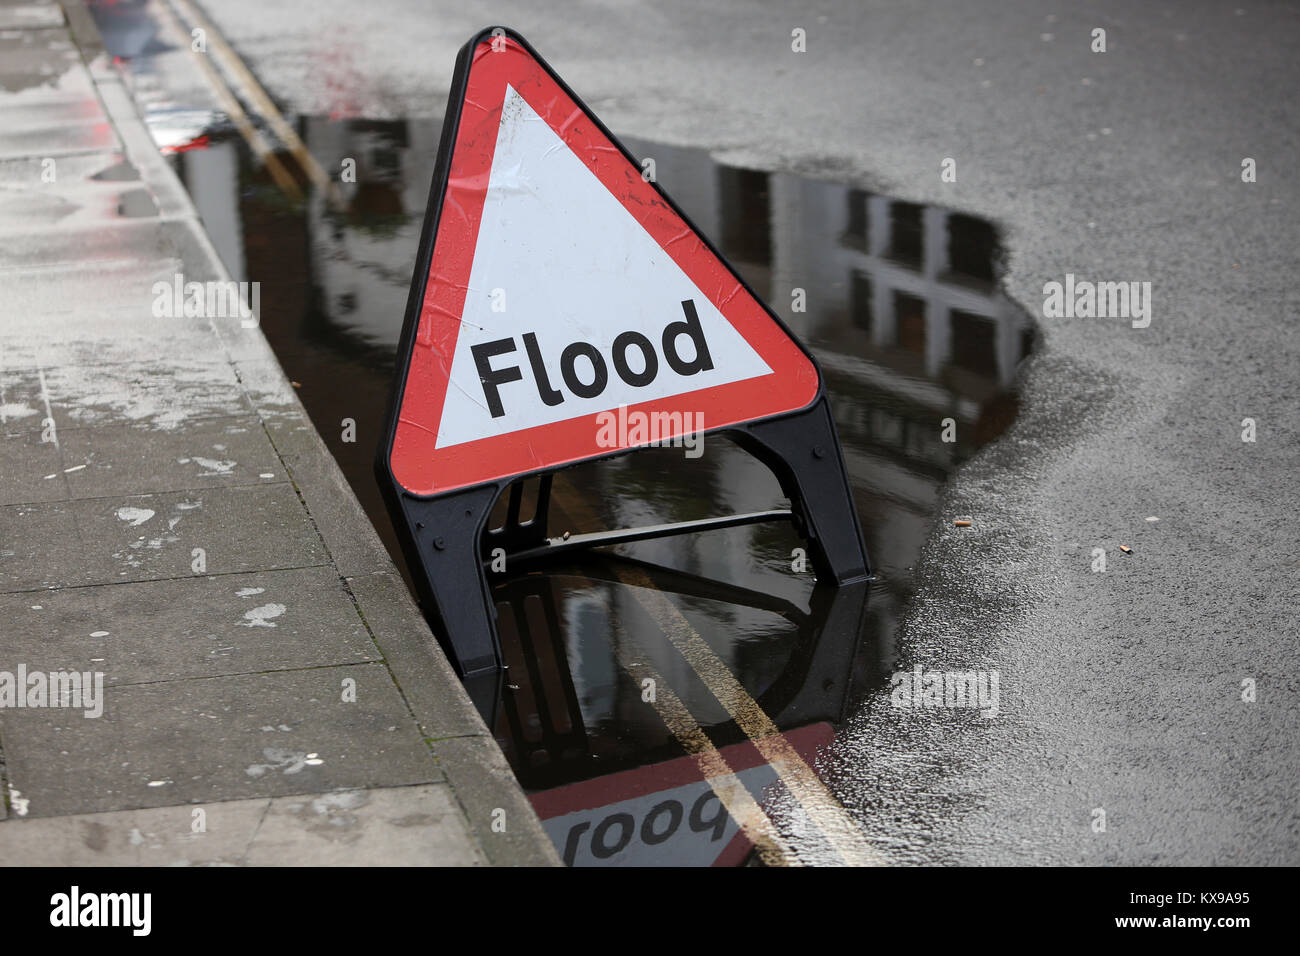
(232,108)
(731,792)
(826,813)
(821,806)
(257,96)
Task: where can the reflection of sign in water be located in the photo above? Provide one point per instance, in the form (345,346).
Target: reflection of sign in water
(665,814)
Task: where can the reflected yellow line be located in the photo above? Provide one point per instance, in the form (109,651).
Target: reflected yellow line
(821,806)
(259,99)
(825,812)
(731,791)
(231,106)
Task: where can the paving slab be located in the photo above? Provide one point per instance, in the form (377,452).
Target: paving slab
(485,784)
(48,103)
(63,289)
(125,240)
(163,392)
(87,190)
(107,335)
(429,682)
(33,540)
(146,537)
(131,459)
(172,630)
(354,546)
(31,470)
(149,537)
(223,738)
(28,14)
(393,826)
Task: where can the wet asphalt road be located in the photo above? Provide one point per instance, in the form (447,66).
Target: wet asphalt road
(1121,690)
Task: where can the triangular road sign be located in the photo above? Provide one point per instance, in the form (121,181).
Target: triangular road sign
(564,309)
(561,284)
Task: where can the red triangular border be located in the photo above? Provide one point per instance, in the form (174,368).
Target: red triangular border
(417,464)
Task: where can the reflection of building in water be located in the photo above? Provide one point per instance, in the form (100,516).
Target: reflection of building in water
(212,177)
(363,254)
(905,317)
(909,325)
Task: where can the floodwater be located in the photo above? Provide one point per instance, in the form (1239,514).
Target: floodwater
(622,669)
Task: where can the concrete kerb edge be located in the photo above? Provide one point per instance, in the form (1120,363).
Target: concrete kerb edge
(473,763)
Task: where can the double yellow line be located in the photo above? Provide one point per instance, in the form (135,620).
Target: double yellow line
(183,13)
(820,807)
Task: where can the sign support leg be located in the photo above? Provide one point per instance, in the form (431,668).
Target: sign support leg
(443,538)
(803,452)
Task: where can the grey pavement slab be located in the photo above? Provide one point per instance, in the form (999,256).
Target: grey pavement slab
(429,682)
(144,537)
(223,738)
(354,546)
(393,826)
(111,334)
(209,626)
(147,537)
(30,470)
(26,14)
(124,240)
(55,291)
(133,459)
(33,540)
(485,784)
(164,392)
(86,190)
(467,753)
(48,104)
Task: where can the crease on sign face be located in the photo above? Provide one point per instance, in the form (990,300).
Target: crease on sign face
(470,396)
(514,179)
(572,307)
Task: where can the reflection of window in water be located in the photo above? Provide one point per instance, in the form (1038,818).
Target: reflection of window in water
(909,323)
(860,292)
(387,141)
(856,231)
(746,215)
(906,233)
(974,343)
(971,243)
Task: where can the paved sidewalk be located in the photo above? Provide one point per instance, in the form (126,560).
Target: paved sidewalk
(170,518)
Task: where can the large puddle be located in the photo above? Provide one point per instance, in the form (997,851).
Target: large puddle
(620,671)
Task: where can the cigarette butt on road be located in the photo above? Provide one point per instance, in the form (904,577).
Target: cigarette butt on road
(961,523)
(1126,549)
